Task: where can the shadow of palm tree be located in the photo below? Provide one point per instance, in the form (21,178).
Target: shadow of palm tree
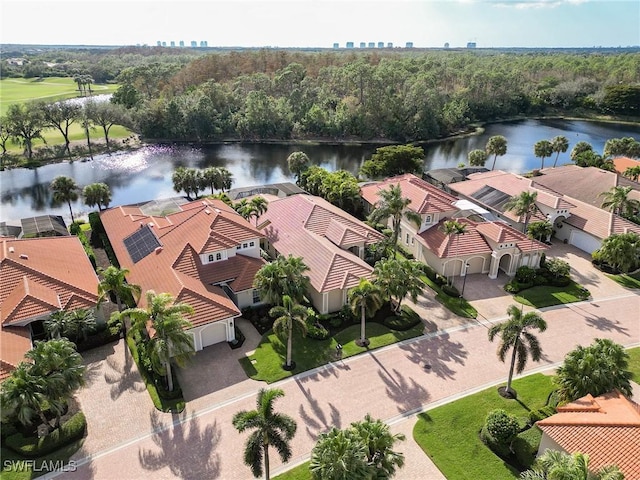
(435,354)
(184,448)
(605,325)
(407,395)
(316,420)
(91,373)
(123,377)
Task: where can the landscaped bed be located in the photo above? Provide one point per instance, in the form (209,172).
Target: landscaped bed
(547,295)
(630,280)
(449,434)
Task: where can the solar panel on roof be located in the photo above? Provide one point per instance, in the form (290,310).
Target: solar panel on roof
(492,197)
(141,243)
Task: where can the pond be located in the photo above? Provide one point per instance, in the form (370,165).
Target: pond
(145,174)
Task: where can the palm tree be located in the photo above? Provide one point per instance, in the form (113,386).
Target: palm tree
(65,189)
(79,324)
(226,179)
(399,278)
(543,149)
(340,455)
(269,428)
(365,298)
(596,369)
(559,144)
(556,465)
(393,205)
(523,205)
(514,335)
(260,206)
(169,343)
(211,178)
(22,396)
(477,158)
(284,276)
(113,282)
(622,251)
(579,149)
(244,208)
(288,316)
(379,441)
(454,228)
(298,162)
(55,325)
(632,173)
(97,194)
(617,200)
(496,146)
(540,230)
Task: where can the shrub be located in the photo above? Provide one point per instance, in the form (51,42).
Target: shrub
(440,280)
(335,321)
(525,446)
(558,268)
(525,274)
(407,319)
(560,281)
(501,426)
(541,414)
(317,332)
(430,272)
(450,290)
(539,280)
(32,447)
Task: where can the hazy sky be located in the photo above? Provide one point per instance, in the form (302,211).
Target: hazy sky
(320,23)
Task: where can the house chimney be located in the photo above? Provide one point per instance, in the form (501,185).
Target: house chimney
(11,250)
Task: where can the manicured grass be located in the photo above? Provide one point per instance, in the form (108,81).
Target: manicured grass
(634,363)
(449,434)
(629,281)
(547,296)
(459,306)
(267,360)
(24,471)
(301,472)
(21,90)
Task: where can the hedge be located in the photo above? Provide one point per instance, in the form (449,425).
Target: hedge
(33,447)
(541,414)
(77,231)
(525,446)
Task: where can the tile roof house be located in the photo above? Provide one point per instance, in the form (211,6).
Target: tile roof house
(203,253)
(579,222)
(607,428)
(39,276)
(622,163)
(486,247)
(330,241)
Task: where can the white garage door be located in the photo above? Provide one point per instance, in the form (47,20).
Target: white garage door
(214,333)
(584,241)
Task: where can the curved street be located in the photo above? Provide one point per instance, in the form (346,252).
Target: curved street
(128,439)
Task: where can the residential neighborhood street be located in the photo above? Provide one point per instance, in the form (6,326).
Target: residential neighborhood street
(127,438)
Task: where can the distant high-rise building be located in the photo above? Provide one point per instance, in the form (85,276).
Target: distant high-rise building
(194,44)
(336,45)
(203,43)
(164,44)
(471,44)
(159,43)
(173,44)
(182,43)
(389,45)
(446,45)
(409,45)
(371,45)
(349,44)
(380,44)
(363,45)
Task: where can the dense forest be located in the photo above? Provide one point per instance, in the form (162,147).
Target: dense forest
(401,96)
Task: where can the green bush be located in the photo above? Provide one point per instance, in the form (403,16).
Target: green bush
(317,331)
(450,290)
(525,274)
(541,414)
(501,426)
(407,319)
(558,268)
(32,447)
(440,280)
(430,272)
(495,446)
(539,280)
(525,446)
(560,281)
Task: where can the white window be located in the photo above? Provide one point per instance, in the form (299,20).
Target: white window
(211,258)
(238,247)
(427,219)
(218,256)
(244,245)
(251,244)
(256,296)
(413,240)
(407,239)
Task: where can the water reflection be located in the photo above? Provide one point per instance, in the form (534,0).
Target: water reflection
(146,174)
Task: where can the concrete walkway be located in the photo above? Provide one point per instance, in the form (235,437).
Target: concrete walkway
(129,439)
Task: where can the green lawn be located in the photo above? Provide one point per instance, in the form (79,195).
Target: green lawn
(21,90)
(459,306)
(547,296)
(15,473)
(267,360)
(634,363)
(629,281)
(301,472)
(449,434)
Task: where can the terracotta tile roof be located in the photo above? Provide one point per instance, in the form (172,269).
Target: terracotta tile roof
(598,222)
(425,198)
(39,276)
(585,184)
(310,227)
(607,428)
(175,267)
(622,163)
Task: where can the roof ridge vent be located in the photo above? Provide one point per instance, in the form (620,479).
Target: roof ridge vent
(207,211)
(24,256)
(11,249)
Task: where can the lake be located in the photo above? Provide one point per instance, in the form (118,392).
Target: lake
(145,174)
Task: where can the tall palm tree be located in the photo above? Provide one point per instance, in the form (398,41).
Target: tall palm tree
(515,335)
(211,178)
(288,316)
(366,299)
(399,278)
(65,189)
(169,341)
(617,200)
(556,465)
(260,205)
(113,281)
(97,194)
(622,251)
(559,144)
(453,228)
(269,428)
(496,146)
(540,230)
(226,179)
(523,205)
(632,173)
(477,158)
(543,149)
(375,434)
(393,205)
(283,276)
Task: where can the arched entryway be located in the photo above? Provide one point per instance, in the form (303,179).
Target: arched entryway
(505,263)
